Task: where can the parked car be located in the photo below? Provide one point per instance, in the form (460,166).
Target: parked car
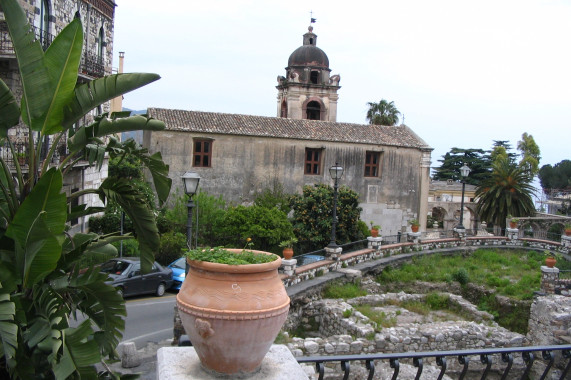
(126,276)
(178,272)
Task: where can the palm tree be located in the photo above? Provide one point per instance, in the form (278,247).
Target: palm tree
(508,191)
(383,113)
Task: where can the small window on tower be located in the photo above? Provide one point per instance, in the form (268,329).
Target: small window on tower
(314,77)
(312,161)
(372,160)
(202,156)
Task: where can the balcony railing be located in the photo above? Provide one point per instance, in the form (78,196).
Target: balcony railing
(91,64)
(549,357)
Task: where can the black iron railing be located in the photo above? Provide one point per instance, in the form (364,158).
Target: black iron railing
(547,353)
(92,65)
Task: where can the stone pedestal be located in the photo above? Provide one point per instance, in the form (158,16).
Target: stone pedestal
(566,241)
(333,253)
(512,233)
(460,233)
(182,363)
(374,242)
(288,266)
(548,278)
(413,237)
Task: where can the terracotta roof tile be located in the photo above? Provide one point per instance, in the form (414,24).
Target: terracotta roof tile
(263,126)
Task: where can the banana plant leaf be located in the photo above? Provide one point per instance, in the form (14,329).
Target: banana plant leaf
(9,110)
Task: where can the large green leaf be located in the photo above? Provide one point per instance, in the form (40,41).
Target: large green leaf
(104,126)
(158,169)
(62,61)
(122,192)
(9,110)
(90,95)
(8,329)
(37,228)
(36,83)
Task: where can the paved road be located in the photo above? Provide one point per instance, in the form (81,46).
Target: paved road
(149,319)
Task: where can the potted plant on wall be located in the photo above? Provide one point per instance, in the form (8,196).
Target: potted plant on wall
(567,229)
(375,228)
(513,221)
(550,259)
(287,246)
(232,306)
(414,225)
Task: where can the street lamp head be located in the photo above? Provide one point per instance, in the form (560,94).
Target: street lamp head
(336,171)
(464,171)
(190,181)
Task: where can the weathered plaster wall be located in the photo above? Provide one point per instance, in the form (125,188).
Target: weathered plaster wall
(244,165)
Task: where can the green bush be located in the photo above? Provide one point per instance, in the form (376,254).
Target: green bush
(130,248)
(275,197)
(173,245)
(266,227)
(461,275)
(312,212)
(437,301)
(109,222)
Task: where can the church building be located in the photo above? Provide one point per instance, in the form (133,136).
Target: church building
(239,155)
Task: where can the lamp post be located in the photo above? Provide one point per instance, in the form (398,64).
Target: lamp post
(464,171)
(190,181)
(336,173)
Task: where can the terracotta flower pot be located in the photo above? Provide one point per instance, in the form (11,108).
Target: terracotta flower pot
(414,228)
(550,262)
(232,313)
(568,232)
(374,232)
(287,253)
(513,225)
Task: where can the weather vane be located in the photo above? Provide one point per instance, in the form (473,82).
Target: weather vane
(311,17)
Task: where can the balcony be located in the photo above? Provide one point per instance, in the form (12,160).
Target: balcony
(91,65)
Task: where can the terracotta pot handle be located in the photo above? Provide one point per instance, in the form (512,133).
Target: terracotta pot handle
(203,327)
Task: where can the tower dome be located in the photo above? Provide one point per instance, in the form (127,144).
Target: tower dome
(308,91)
(309,54)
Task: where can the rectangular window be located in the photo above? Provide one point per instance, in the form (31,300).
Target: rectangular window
(312,161)
(202,153)
(372,160)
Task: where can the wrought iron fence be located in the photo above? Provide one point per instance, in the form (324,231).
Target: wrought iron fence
(548,356)
(92,65)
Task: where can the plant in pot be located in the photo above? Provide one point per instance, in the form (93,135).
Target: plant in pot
(287,246)
(513,222)
(232,306)
(567,229)
(414,225)
(375,228)
(550,259)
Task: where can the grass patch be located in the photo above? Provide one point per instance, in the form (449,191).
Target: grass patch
(344,291)
(380,318)
(512,273)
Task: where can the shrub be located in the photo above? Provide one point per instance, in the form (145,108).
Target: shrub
(130,248)
(266,227)
(437,301)
(312,212)
(461,275)
(173,245)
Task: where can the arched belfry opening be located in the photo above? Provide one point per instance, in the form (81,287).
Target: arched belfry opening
(308,90)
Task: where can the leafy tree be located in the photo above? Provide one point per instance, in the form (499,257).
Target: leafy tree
(555,177)
(507,192)
(530,154)
(505,144)
(312,213)
(267,227)
(41,284)
(383,113)
(274,197)
(476,159)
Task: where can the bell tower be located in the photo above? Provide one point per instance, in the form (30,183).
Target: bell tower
(308,91)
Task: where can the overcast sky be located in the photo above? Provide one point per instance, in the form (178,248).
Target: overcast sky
(463,73)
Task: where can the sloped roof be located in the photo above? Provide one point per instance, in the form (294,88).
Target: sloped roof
(263,126)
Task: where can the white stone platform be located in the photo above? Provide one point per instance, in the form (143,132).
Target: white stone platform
(182,363)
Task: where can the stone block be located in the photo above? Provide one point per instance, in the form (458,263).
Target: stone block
(182,363)
(130,357)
